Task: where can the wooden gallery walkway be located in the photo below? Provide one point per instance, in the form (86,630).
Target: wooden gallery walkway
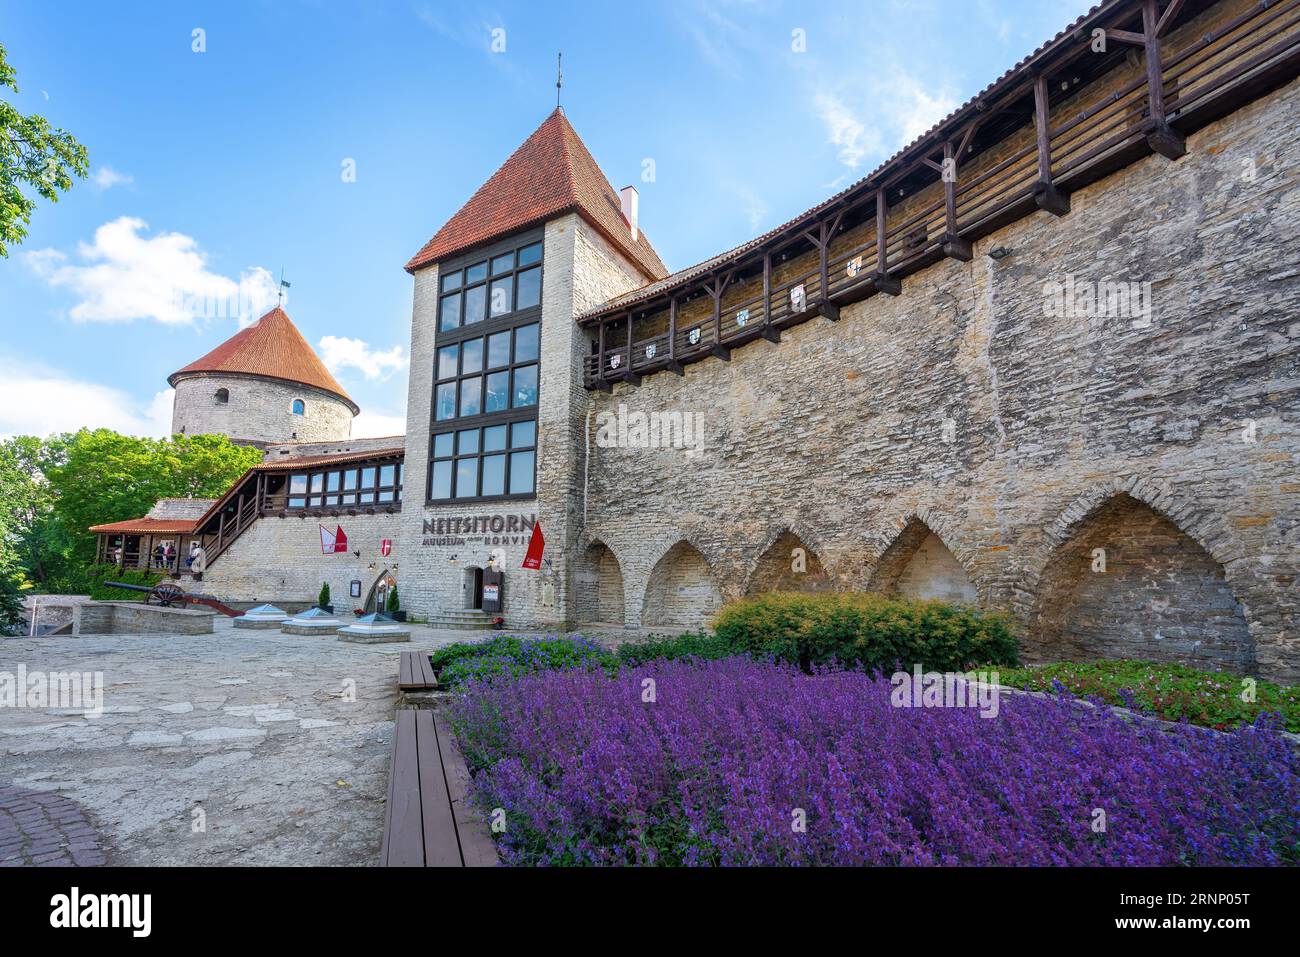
(429,820)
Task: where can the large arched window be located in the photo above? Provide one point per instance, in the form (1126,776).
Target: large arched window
(222,396)
(299,407)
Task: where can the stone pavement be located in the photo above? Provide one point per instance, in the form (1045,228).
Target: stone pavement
(232,748)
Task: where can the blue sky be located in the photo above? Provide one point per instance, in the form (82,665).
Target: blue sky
(213,170)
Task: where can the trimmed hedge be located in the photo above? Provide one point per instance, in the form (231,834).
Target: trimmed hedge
(864,629)
(98,574)
(508,656)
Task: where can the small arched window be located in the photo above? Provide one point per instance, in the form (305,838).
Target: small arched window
(223,396)
(299,407)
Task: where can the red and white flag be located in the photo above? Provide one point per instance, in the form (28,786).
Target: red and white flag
(536,545)
(386,547)
(333,543)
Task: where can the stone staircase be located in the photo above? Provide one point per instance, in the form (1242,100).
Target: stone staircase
(463,619)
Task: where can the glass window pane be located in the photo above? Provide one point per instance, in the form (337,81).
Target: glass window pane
(297,483)
(450,281)
(494,438)
(530,288)
(366,498)
(386,496)
(368,477)
(349,499)
(521,473)
(387,474)
(494,475)
(523,435)
(449,312)
(525,387)
(467,442)
(475,297)
(471,395)
(442,445)
(526,343)
(297,502)
(472,357)
(466,478)
(499,350)
(332,481)
(331,500)
(447,362)
(501,298)
(502,264)
(445,406)
(440,486)
(530,254)
(318,482)
(498,391)
(476,273)
(350,479)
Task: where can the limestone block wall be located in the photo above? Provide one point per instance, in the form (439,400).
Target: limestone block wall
(972,407)
(258,410)
(279,560)
(580,269)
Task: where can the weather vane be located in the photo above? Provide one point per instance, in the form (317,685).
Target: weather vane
(279,296)
(559,77)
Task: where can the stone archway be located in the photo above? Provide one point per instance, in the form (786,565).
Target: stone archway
(918,564)
(681,591)
(788,564)
(599,587)
(1128,582)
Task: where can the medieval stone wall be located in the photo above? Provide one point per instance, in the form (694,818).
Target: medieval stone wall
(971,408)
(258,410)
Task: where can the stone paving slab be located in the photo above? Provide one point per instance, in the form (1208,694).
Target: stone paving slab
(237,748)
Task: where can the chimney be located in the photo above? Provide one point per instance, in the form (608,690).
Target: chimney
(631,204)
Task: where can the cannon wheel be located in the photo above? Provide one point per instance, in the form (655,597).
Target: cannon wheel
(167,594)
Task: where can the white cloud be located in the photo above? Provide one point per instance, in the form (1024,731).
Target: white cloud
(38,401)
(896,109)
(340,352)
(373,425)
(124,276)
(105,177)
(844,131)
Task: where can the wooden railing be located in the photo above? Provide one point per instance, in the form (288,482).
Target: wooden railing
(1200,78)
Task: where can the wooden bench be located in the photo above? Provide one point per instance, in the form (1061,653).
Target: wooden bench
(415,672)
(429,821)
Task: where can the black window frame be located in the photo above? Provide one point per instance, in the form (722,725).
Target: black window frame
(480,454)
(312,499)
(510,322)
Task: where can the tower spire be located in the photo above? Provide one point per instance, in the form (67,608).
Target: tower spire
(559,77)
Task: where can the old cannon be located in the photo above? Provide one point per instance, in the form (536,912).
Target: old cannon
(168,594)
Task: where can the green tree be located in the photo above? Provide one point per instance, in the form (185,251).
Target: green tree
(34,154)
(101,476)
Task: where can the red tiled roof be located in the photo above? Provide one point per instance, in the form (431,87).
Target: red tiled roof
(550,174)
(271,347)
(148,526)
(338,458)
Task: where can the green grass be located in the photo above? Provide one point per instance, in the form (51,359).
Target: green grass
(1212,699)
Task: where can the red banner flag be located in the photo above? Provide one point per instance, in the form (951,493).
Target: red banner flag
(386,547)
(535,546)
(333,543)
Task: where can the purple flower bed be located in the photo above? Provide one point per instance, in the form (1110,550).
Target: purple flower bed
(714,770)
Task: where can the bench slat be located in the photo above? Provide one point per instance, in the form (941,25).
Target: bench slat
(404,836)
(405,671)
(476,847)
(441,846)
(426,671)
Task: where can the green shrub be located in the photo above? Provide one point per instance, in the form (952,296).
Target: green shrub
(97,575)
(506,655)
(1211,699)
(323,598)
(692,644)
(394,603)
(868,630)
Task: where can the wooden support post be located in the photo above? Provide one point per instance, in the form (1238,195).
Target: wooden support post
(629,376)
(221,531)
(601,382)
(770,332)
(718,349)
(1046,195)
(673,364)
(884,282)
(1163,138)
(954,247)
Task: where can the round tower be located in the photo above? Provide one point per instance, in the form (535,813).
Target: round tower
(263,385)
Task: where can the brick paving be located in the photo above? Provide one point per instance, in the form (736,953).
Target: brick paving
(45,829)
